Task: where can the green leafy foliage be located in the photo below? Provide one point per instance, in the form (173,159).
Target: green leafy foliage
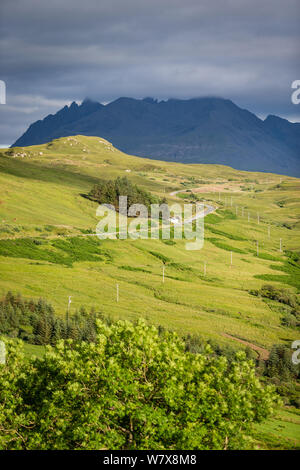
(160,256)
(280,371)
(108,192)
(276,293)
(291,316)
(267,256)
(220,244)
(35,321)
(291,276)
(58,251)
(134,388)
(231,236)
(280,364)
(133,268)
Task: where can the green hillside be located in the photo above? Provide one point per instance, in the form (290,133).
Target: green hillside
(41,198)
(48,250)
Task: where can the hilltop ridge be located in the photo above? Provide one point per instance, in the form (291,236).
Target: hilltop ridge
(199,130)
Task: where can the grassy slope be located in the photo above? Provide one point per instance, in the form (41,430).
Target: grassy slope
(43,188)
(39,190)
(281,431)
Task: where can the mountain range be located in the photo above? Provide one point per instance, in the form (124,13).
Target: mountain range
(199,130)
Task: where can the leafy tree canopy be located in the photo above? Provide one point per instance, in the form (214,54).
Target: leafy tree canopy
(133,388)
(109,191)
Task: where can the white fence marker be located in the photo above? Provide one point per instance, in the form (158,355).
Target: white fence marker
(117,292)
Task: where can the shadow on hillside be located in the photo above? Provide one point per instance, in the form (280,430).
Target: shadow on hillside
(29,170)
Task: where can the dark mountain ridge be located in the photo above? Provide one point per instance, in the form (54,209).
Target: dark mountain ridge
(199,130)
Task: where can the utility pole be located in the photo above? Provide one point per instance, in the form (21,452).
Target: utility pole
(2,353)
(68,310)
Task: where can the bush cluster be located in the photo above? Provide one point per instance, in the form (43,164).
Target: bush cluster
(133,388)
(109,191)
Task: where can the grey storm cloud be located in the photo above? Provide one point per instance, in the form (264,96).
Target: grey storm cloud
(52,53)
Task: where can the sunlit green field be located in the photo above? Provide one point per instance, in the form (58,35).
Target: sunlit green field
(281,431)
(47,249)
(41,197)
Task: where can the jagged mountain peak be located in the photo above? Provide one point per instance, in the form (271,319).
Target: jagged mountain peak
(197,130)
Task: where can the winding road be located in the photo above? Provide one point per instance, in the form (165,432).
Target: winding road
(208,210)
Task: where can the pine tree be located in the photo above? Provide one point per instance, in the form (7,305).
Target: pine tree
(56,333)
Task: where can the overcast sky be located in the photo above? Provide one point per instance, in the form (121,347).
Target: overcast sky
(53,52)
